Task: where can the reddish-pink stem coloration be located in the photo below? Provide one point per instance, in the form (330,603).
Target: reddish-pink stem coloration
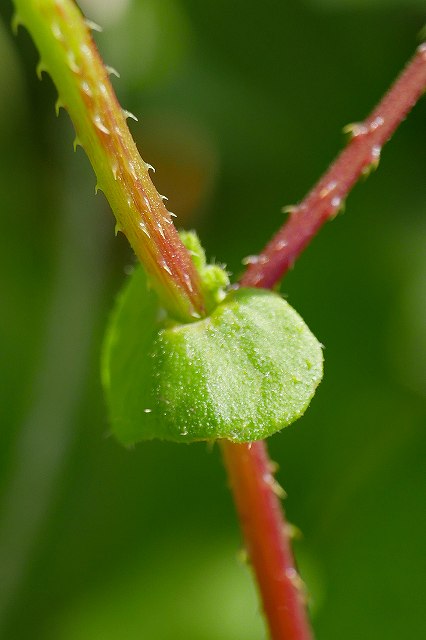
(327,197)
(268,544)
(249,467)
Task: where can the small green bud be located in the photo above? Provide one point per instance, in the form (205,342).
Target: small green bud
(214,279)
(242,373)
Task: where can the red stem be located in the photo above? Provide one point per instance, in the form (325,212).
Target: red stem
(326,198)
(256,494)
(248,466)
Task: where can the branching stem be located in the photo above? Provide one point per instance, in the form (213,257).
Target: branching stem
(69,54)
(249,467)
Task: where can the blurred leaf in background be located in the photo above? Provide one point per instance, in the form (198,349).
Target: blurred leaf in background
(240,109)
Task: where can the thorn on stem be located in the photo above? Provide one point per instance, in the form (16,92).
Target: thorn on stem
(16,22)
(58,106)
(374,162)
(111,71)
(269,479)
(329,188)
(292,532)
(280,245)
(76,144)
(376,123)
(262,259)
(290,209)
(93,26)
(97,121)
(85,87)
(72,63)
(129,114)
(57,33)
(297,583)
(40,69)
(355,129)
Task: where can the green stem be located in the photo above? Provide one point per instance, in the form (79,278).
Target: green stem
(69,55)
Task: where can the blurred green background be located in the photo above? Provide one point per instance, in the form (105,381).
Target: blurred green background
(241,106)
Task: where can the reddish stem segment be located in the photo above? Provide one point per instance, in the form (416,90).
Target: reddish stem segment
(326,198)
(259,509)
(69,55)
(249,468)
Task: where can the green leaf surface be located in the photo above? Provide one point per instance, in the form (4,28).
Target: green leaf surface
(243,373)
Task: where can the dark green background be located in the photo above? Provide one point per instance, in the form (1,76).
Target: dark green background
(241,107)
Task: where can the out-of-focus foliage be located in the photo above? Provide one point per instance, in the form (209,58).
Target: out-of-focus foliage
(344,5)
(240,108)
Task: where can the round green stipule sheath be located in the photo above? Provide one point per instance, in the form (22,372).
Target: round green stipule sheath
(242,373)
(196,363)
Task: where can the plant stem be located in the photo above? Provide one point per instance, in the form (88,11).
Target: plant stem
(249,467)
(69,55)
(327,197)
(256,495)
